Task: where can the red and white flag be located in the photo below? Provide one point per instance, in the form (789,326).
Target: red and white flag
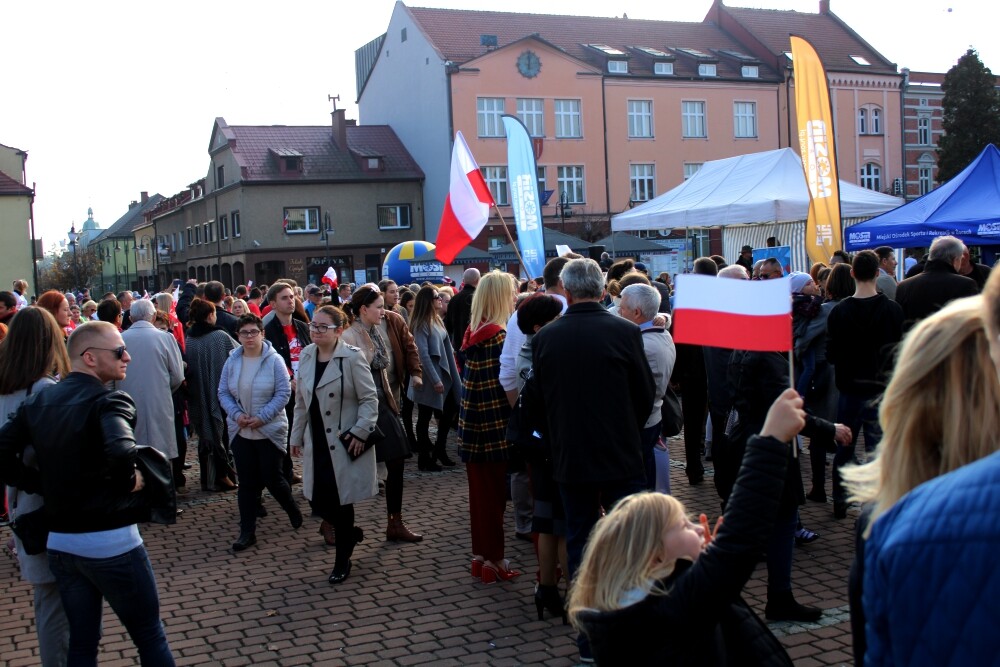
(330,278)
(467,207)
(733,314)
(284,222)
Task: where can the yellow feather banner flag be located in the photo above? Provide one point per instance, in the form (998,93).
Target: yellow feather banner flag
(819,155)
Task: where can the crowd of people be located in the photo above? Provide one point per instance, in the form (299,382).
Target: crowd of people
(519,370)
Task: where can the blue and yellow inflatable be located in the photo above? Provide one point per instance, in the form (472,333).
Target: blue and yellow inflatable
(398,264)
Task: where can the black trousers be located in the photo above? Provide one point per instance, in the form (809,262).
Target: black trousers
(326,502)
(258,463)
(446,419)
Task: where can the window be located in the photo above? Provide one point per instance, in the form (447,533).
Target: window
(642,178)
(299,220)
(206,232)
(862,121)
(691,168)
(707,69)
(745,120)
(402,35)
(870,120)
(750,71)
(923,101)
(190,236)
(178,238)
(488,112)
(925,178)
(395,216)
(663,69)
(235,215)
(861,60)
(496,242)
(618,66)
(197,234)
(542,186)
(220,176)
(924,131)
(223,227)
(532,114)
(496,181)
(876,121)
(568,119)
(571,184)
(871,177)
(693,119)
(640,118)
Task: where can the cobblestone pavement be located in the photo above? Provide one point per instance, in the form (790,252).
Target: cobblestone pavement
(403,604)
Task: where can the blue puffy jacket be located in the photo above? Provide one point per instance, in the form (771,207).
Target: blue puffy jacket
(932,583)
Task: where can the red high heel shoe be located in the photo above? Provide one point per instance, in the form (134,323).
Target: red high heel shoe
(490,574)
(477,568)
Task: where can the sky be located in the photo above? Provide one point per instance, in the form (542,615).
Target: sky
(113,98)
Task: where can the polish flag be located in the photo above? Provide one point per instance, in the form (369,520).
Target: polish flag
(467,207)
(330,278)
(733,314)
(284,222)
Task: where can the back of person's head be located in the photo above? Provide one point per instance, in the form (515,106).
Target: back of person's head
(8,299)
(625,552)
(471,276)
(215,291)
(537,310)
(865,266)
(550,274)
(142,309)
(161,320)
(51,301)
(163,302)
(946,249)
(991,313)
(620,268)
(941,409)
(424,314)
(241,292)
(719,260)
(841,256)
(705,266)
(840,283)
(583,279)
(735,271)
(642,297)
(254,294)
(199,311)
(634,278)
(33,348)
(109,310)
(815,269)
(493,300)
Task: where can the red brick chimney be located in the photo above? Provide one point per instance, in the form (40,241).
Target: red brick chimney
(340,129)
(824,6)
(144,197)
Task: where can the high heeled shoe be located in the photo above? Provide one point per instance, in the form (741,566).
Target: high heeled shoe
(499,572)
(477,568)
(505,573)
(441,456)
(548,598)
(339,575)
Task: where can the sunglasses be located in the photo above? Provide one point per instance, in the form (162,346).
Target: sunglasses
(119,351)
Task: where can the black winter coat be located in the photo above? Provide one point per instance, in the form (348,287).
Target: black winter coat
(701,620)
(925,293)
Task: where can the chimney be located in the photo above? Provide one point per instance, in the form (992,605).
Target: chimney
(144,197)
(340,129)
(824,6)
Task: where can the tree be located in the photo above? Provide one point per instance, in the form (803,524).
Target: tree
(62,271)
(971,118)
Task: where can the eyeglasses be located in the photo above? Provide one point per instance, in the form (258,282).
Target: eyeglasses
(119,351)
(250,333)
(321,328)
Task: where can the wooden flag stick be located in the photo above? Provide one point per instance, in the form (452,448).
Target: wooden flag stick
(791,381)
(512,243)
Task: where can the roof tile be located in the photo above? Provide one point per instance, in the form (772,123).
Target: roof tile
(9,186)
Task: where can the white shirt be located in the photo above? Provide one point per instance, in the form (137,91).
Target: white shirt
(512,345)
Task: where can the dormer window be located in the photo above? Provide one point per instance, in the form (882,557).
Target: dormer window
(618,66)
(707,69)
(750,71)
(663,69)
(861,60)
(289,160)
(374,164)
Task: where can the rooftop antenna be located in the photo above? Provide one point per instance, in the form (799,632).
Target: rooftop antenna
(333,99)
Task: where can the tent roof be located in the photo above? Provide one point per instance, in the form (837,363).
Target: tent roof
(967,206)
(748,189)
(505,253)
(624,243)
(467,255)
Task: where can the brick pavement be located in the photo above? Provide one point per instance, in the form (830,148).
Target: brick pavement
(403,604)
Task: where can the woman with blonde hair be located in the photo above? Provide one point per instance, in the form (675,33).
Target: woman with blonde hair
(32,357)
(943,376)
(482,424)
(655,586)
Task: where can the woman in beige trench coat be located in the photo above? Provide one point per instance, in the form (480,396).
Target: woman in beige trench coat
(336,408)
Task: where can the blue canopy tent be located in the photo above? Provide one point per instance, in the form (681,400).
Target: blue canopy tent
(967,207)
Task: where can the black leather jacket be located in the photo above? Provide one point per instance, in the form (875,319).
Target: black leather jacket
(82,434)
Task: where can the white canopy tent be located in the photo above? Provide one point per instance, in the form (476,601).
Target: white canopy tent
(767,190)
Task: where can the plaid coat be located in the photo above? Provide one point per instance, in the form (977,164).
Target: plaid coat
(483,416)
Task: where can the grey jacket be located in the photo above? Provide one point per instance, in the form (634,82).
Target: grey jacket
(155,372)
(271,391)
(661,355)
(437,358)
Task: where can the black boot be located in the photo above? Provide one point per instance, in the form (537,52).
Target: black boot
(547,597)
(246,540)
(425,462)
(345,549)
(781,606)
(441,455)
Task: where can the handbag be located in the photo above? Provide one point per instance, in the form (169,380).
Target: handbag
(32,528)
(671,414)
(373,437)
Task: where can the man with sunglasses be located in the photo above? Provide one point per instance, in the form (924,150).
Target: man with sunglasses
(86,452)
(771,268)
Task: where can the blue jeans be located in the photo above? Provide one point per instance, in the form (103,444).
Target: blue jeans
(857,413)
(127,583)
(583,503)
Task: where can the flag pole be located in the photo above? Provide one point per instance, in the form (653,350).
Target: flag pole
(512,243)
(791,381)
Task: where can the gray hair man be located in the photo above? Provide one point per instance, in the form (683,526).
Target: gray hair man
(639,305)
(939,282)
(456,320)
(155,373)
(596,451)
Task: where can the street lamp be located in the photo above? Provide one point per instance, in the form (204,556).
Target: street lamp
(74,239)
(327,230)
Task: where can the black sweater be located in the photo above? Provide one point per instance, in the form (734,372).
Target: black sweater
(861,339)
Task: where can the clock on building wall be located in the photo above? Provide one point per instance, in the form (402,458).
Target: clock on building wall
(528,64)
